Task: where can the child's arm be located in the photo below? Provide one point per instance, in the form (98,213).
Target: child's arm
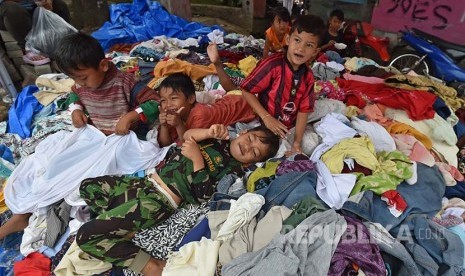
(266,48)
(225,80)
(78,116)
(216,131)
(270,122)
(164,137)
(300,124)
(125,122)
(147,112)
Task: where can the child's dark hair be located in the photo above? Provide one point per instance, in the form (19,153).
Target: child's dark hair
(311,24)
(179,82)
(281,12)
(78,51)
(270,139)
(339,14)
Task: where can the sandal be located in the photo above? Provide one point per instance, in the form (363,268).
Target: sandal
(35,59)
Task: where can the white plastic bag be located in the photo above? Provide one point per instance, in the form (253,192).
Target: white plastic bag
(47,30)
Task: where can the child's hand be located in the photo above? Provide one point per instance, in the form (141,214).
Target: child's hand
(79,118)
(212,51)
(218,132)
(275,126)
(191,150)
(162,117)
(125,122)
(331,43)
(173,118)
(296,148)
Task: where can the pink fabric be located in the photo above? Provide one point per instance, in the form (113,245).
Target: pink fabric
(375,114)
(450,173)
(372,80)
(414,149)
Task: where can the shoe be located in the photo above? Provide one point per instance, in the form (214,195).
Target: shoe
(35,59)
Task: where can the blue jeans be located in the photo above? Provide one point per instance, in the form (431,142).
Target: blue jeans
(424,197)
(221,202)
(288,189)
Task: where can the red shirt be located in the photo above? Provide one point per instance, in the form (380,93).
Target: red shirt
(282,91)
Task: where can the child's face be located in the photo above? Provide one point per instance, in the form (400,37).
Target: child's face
(302,48)
(280,27)
(90,77)
(172,101)
(334,24)
(248,148)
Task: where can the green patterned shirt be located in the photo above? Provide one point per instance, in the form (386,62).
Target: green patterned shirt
(198,186)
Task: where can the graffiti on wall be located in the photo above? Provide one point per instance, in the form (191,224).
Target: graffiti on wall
(442,18)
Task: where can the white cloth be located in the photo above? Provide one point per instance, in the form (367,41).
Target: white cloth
(241,212)
(381,139)
(34,234)
(216,36)
(333,189)
(64,159)
(196,258)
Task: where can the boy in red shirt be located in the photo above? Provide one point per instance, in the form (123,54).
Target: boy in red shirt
(280,88)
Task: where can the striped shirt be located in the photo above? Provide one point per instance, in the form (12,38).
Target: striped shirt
(106,104)
(282,91)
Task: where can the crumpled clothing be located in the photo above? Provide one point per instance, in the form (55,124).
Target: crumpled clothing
(389,168)
(323,72)
(401,128)
(247,65)
(295,166)
(261,177)
(381,139)
(396,203)
(448,221)
(450,173)
(330,89)
(51,86)
(355,63)
(323,107)
(414,149)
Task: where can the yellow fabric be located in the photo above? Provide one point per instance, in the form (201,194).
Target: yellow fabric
(77,262)
(360,149)
(448,94)
(235,92)
(352,111)
(3,207)
(247,65)
(51,89)
(265,173)
(401,128)
(171,66)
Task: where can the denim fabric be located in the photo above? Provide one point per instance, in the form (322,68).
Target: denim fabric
(456,191)
(221,202)
(288,189)
(228,185)
(397,255)
(424,197)
(443,248)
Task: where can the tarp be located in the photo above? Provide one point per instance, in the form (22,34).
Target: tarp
(142,20)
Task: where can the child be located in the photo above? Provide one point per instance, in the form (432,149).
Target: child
(179,110)
(284,84)
(275,36)
(101,89)
(333,35)
(125,205)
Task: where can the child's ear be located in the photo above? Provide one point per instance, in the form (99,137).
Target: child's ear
(104,66)
(191,99)
(287,37)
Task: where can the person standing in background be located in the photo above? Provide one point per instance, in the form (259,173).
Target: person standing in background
(16,16)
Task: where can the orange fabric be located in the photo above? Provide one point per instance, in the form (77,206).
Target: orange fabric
(35,264)
(171,66)
(401,128)
(275,43)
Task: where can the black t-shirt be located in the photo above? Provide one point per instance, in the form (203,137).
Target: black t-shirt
(339,38)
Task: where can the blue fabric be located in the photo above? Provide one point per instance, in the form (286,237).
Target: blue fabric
(195,234)
(441,108)
(5,153)
(142,20)
(288,189)
(9,251)
(459,129)
(430,186)
(221,202)
(22,111)
(456,191)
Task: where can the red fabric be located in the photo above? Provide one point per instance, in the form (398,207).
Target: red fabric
(395,200)
(35,264)
(418,104)
(228,110)
(273,81)
(230,56)
(357,168)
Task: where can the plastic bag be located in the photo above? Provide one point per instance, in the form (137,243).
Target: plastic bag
(47,30)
